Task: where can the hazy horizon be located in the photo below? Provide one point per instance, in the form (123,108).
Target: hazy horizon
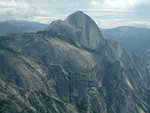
(106,13)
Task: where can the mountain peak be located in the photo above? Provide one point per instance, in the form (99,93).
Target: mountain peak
(79,18)
(77,13)
(80,29)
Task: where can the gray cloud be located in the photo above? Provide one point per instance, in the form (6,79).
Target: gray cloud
(106,13)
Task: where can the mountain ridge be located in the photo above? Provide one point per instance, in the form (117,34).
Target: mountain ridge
(20,26)
(136,40)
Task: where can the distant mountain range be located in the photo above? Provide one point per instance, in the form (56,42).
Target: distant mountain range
(19,26)
(136,40)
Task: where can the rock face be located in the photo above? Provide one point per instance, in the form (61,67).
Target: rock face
(70,68)
(80,29)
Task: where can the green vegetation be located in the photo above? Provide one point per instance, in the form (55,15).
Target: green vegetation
(44,96)
(2,47)
(3,43)
(77,73)
(82,106)
(4,105)
(26,110)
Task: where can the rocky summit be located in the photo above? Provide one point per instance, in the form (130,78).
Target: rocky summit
(70,68)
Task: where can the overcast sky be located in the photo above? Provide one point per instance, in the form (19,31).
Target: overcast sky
(106,13)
